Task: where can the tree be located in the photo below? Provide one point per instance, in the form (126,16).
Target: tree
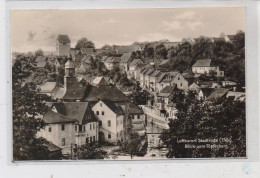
(160,51)
(84,43)
(132,144)
(39,52)
(27,109)
(222,119)
(90,151)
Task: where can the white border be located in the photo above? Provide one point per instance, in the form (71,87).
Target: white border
(124,168)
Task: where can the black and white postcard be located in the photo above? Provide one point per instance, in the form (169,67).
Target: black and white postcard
(128,84)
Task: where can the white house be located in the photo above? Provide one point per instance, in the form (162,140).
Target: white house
(205,66)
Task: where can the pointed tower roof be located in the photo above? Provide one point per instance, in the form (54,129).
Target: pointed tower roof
(69,64)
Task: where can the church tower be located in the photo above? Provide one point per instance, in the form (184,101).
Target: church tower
(73,90)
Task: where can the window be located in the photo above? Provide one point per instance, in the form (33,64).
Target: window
(62,127)
(80,128)
(97,112)
(93,126)
(181,84)
(63,141)
(100,123)
(94,138)
(49,129)
(178,78)
(138,116)
(87,140)
(100,104)
(90,139)
(83,128)
(109,136)
(76,128)
(103,113)
(90,126)
(109,123)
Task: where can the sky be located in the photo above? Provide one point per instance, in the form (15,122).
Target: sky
(38,29)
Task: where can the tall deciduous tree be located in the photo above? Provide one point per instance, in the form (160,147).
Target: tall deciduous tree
(84,43)
(27,107)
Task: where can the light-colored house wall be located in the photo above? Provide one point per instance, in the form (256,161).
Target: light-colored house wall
(57,134)
(90,132)
(180,81)
(62,49)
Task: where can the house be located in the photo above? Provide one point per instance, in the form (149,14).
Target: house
(127,49)
(238,96)
(212,93)
(230,38)
(165,96)
(125,60)
(42,65)
(163,63)
(41,59)
(114,121)
(59,129)
(170,78)
(104,58)
(109,63)
(87,126)
(133,66)
(228,83)
(153,79)
(88,51)
(49,88)
(98,81)
(205,66)
(63,45)
(194,87)
(147,78)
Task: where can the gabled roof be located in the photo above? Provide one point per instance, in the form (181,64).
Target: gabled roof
(126,57)
(207,91)
(86,59)
(87,50)
(41,59)
(59,94)
(104,92)
(231,37)
(48,87)
(63,39)
(79,111)
(167,91)
(133,108)
(99,81)
(149,72)
(104,58)
(115,108)
(109,59)
(51,147)
(127,49)
(164,62)
(74,91)
(218,93)
(52,117)
(161,77)
(204,63)
(41,64)
(155,73)
(135,62)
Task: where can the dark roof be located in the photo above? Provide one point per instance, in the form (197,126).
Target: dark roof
(79,111)
(52,117)
(166,91)
(63,39)
(125,57)
(115,108)
(231,37)
(51,147)
(155,73)
(135,62)
(74,91)
(218,93)
(161,77)
(77,59)
(204,63)
(207,91)
(41,59)
(109,92)
(149,72)
(109,59)
(134,109)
